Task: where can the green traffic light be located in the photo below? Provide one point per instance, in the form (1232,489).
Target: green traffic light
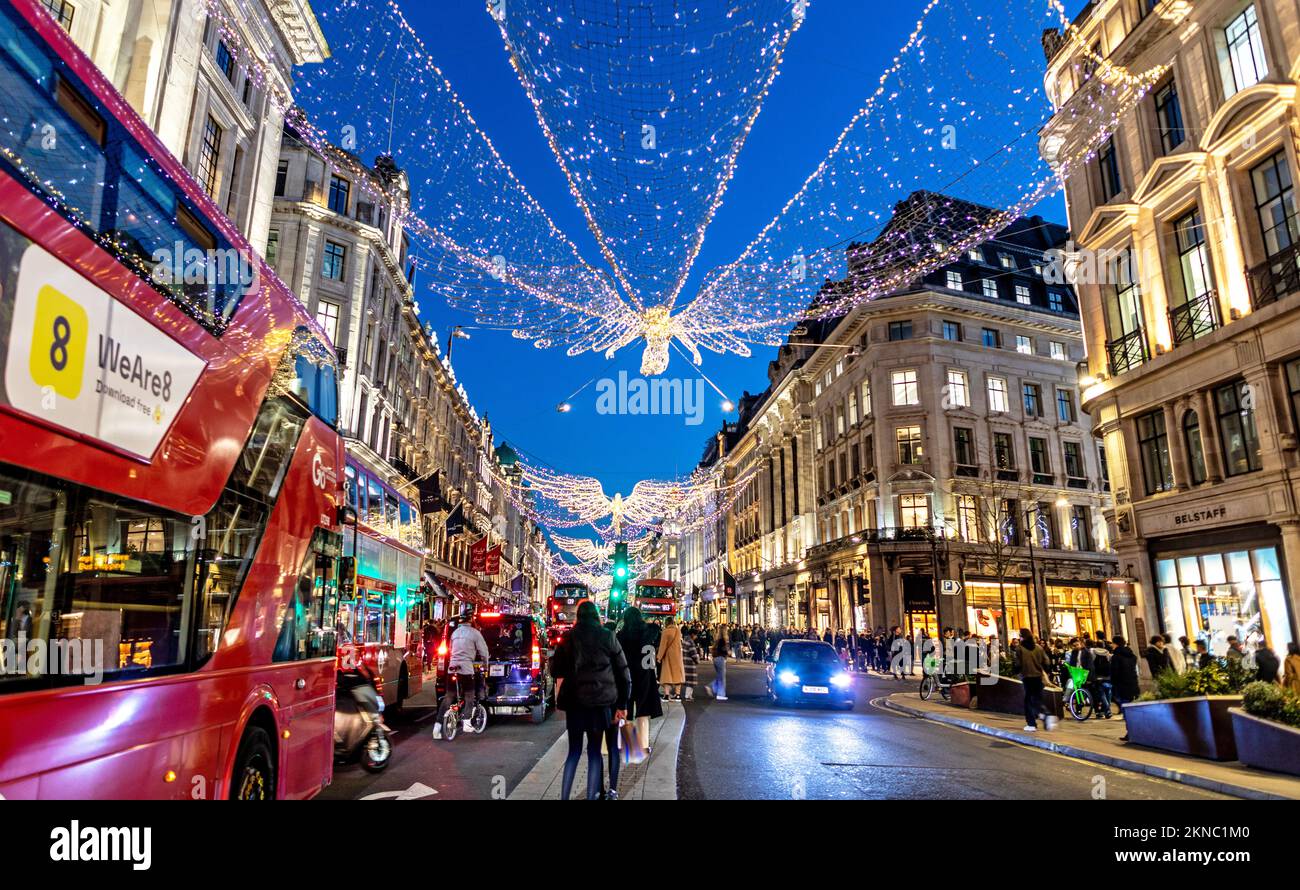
(621,571)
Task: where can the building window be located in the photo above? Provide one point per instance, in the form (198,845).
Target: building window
(62,12)
(272,247)
(1153,445)
(1058,351)
(1237,431)
(1008,261)
(992,338)
(1004,451)
(1293,389)
(1108,161)
(1104,465)
(958,389)
(1024,345)
(332,263)
(952,331)
(1195,447)
(963,445)
(866,398)
(975,255)
(1275,204)
(1056,301)
(340,190)
(1065,406)
(1073,460)
(1169,117)
(968,518)
(1210,595)
(997,389)
(991,288)
(914,510)
(327,316)
(225,60)
(1126,347)
(1081,526)
(1241,54)
(1039,464)
(1022,294)
(210,156)
(900,330)
(1194,310)
(1033,400)
(853,408)
(906,389)
(954,281)
(910,449)
(1009,521)
(281,178)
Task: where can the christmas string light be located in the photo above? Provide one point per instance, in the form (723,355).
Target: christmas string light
(495,252)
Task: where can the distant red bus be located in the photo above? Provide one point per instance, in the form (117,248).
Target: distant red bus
(656,598)
(562,609)
(170,471)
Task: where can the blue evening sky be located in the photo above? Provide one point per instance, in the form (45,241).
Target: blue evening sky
(831,65)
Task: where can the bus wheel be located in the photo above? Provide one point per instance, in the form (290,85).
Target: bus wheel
(254,774)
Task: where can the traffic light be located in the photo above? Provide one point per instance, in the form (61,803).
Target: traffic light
(618,590)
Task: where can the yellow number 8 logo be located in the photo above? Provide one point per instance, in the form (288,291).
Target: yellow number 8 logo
(58,343)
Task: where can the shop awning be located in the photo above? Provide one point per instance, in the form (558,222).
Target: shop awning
(459,591)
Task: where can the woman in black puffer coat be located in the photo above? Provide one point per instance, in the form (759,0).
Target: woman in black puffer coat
(594,685)
(641,646)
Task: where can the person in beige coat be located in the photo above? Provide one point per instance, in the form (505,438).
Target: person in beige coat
(672,673)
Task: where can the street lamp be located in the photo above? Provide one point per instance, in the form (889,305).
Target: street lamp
(456,333)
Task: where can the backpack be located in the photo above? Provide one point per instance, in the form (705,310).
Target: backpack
(1101,664)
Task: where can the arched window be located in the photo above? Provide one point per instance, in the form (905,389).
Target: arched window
(1195,451)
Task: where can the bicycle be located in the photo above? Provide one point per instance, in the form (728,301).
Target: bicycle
(1080,699)
(932,680)
(451,720)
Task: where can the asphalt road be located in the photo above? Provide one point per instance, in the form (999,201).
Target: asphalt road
(747,748)
(472,767)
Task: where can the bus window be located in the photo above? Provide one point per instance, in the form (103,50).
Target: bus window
(390,514)
(375,509)
(100,581)
(306,621)
(351,475)
(374,624)
(407,513)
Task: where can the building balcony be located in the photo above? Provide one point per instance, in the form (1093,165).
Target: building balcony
(1195,318)
(1276,278)
(1127,352)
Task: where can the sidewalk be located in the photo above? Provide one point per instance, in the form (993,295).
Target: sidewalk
(1097,741)
(654,779)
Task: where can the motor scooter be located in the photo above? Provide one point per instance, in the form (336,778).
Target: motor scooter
(359,728)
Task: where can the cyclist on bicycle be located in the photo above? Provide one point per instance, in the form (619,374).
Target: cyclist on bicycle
(467,647)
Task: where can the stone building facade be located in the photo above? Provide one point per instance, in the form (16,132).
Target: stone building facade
(1187,225)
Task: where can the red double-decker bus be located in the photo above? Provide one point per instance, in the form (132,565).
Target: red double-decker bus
(656,598)
(170,472)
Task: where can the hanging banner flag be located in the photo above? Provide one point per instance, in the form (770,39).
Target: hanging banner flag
(518,583)
(493,561)
(455,523)
(728,584)
(478,556)
(431,499)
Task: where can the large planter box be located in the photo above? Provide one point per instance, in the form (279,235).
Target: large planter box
(1007,696)
(1266,744)
(963,695)
(1199,726)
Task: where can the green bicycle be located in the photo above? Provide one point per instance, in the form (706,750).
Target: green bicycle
(1080,699)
